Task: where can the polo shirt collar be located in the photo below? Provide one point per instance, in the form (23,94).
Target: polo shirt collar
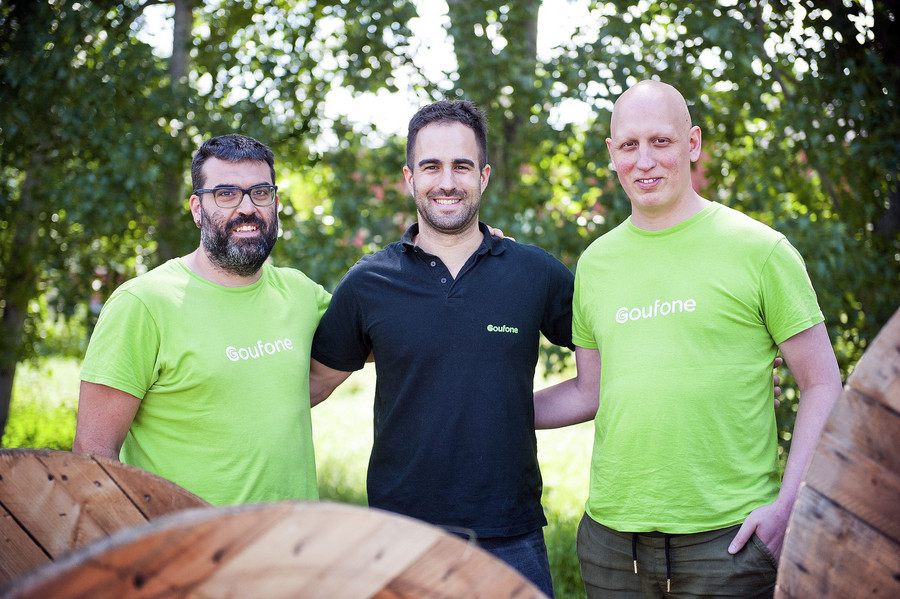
(491,244)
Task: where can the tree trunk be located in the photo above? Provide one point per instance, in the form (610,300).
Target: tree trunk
(21,288)
(487,77)
(173,177)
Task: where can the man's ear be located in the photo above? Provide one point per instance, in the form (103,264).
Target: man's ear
(485,176)
(196,214)
(408,176)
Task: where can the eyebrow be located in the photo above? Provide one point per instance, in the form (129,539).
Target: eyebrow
(465,161)
(233,185)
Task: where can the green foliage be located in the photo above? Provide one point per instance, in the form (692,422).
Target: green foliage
(354,202)
(43,415)
(79,104)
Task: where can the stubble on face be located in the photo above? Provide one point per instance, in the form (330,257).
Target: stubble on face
(241,257)
(445,179)
(453,223)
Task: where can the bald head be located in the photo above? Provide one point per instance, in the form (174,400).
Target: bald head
(651,146)
(651,100)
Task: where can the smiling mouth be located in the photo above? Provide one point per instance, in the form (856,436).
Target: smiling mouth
(246,229)
(447,201)
(648,181)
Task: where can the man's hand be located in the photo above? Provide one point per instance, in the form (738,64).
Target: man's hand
(499,233)
(769,523)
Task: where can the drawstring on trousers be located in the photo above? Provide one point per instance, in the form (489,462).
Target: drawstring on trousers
(634,537)
(668,568)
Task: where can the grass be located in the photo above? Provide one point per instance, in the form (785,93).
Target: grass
(44,405)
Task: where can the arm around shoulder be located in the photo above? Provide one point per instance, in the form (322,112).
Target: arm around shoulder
(322,381)
(104,417)
(574,400)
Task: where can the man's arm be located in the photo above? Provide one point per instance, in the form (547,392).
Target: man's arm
(810,357)
(322,381)
(574,400)
(104,416)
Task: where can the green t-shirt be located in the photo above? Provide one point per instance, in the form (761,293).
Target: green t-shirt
(223,377)
(687,322)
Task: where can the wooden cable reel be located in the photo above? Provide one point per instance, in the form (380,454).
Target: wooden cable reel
(296,549)
(843,539)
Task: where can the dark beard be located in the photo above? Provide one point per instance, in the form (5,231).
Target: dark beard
(447,225)
(240,257)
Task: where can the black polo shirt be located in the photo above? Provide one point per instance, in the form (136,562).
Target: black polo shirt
(454,440)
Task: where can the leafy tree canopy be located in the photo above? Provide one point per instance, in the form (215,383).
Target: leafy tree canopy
(797,101)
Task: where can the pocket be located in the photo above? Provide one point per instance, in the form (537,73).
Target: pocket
(764,551)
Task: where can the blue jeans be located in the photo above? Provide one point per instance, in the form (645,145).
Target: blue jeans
(526,553)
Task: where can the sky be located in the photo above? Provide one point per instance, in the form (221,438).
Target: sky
(557,20)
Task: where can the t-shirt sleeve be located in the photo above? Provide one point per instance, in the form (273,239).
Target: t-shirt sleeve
(556,324)
(582,333)
(323,298)
(789,301)
(340,341)
(124,347)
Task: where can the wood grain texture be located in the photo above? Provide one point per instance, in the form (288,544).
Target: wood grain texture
(832,553)
(843,538)
(296,549)
(56,501)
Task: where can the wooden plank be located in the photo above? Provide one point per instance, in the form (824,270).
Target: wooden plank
(828,552)
(878,372)
(62,500)
(165,558)
(857,462)
(461,569)
(154,496)
(65,501)
(866,426)
(18,550)
(337,553)
(276,551)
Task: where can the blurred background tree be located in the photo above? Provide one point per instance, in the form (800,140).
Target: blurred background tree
(797,101)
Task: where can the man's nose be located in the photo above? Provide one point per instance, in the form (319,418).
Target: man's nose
(246,206)
(645,158)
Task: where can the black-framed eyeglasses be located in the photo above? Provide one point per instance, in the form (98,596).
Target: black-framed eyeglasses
(231,197)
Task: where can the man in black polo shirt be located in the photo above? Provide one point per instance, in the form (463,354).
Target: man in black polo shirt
(453,318)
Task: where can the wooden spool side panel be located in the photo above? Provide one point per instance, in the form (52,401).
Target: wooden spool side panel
(336,553)
(19,551)
(857,462)
(276,551)
(843,539)
(154,496)
(168,560)
(63,501)
(832,553)
(465,574)
(878,372)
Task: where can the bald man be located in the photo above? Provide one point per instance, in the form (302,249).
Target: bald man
(684,470)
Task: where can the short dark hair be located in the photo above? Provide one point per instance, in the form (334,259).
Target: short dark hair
(233,148)
(449,111)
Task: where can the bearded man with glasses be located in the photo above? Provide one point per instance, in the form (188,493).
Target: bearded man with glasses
(197,370)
